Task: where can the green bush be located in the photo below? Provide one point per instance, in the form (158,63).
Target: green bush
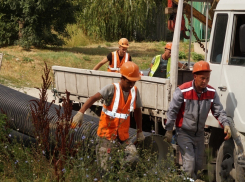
(86,58)
(27,60)
(35,23)
(108,44)
(8,26)
(76,36)
(197,57)
(163,43)
(182,55)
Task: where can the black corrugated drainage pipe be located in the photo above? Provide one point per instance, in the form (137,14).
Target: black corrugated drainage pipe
(16,105)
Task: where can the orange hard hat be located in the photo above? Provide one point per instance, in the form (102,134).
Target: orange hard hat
(123,42)
(168,45)
(131,71)
(201,66)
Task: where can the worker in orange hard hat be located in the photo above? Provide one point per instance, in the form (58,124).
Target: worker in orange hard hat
(120,99)
(117,58)
(160,64)
(189,110)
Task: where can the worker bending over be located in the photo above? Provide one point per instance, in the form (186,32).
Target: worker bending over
(117,58)
(120,99)
(189,110)
(160,64)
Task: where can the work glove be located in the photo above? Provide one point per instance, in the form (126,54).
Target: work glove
(77,120)
(227,131)
(169,135)
(140,136)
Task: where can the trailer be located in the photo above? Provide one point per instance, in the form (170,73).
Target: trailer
(82,84)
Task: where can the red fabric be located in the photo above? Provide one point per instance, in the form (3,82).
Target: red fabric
(180,116)
(170,3)
(191,95)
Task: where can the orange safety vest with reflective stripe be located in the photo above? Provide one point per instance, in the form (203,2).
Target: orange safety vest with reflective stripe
(115,118)
(116,63)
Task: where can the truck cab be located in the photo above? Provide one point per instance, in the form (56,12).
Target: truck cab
(227,58)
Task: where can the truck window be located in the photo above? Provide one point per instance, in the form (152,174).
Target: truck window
(219,38)
(237,56)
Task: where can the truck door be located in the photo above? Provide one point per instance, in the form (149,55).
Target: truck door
(232,82)
(216,55)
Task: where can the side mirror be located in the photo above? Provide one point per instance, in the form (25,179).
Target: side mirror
(242,38)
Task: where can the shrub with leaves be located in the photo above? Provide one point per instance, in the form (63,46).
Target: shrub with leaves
(111,20)
(182,55)
(35,22)
(197,57)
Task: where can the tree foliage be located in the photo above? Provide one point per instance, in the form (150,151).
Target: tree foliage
(112,19)
(35,22)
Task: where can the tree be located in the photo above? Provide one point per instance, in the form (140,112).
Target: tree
(112,19)
(39,22)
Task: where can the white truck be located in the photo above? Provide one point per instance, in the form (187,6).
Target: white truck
(226,55)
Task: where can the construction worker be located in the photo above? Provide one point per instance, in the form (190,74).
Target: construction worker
(120,99)
(189,110)
(160,64)
(117,58)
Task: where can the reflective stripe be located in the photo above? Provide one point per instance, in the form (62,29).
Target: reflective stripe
(132,99)
(186,90)
(210,89)
(114,69)
(115,63)
(114,114)
(152,72)
(116,102)
(115,60)
(126,58)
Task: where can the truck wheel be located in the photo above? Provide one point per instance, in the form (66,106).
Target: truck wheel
(227,168)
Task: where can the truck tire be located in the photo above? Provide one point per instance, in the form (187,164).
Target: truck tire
(227,168)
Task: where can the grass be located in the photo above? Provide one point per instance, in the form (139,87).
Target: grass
(22,163)
(23,68)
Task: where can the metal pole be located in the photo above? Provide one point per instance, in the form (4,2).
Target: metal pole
(175,49)
(206,32)
(189,58)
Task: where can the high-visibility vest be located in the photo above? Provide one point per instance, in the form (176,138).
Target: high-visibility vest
(156,65)
(115,118)
(116,63)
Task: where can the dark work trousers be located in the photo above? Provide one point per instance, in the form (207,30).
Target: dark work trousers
(192,151)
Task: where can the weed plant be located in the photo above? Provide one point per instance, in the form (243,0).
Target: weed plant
(77,37)
(26,59)
(182,55)
(108,44)
(20,163)
(197,57)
